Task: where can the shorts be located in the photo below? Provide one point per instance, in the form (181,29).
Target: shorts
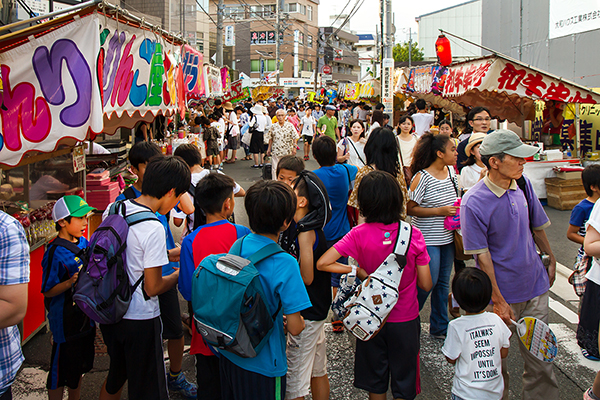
(307,139)
(207,377)
(393,351)
(257,145)
(233,142)
(335,278)
(239,384)
(212,148)
(306,357)
(136,355)
(70,360)
(170,314)
(7,395)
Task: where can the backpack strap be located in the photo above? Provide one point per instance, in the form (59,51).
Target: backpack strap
(67,244)
(523,186)
(129,193)
(402,242)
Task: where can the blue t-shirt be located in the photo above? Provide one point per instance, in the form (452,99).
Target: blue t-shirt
(338,180)
(579,216)
(281,280)
(63,266)
(214,238)
(170,267)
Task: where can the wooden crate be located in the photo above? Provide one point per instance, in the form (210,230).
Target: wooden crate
(564,194)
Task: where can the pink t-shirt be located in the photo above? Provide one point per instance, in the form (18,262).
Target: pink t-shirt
(364,243)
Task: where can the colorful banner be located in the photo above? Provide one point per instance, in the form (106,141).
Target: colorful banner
(589,128)
(50,90)
(351,91)
(237,93)
(138,75)
(369,89)
(225,80)
(266,92)
(213,82)
(193,77)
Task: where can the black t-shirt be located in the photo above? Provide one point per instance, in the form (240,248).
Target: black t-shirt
(462,155)
(319,291)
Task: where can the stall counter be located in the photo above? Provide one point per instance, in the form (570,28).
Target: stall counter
(538,171)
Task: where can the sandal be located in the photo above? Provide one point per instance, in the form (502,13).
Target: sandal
(186,320)
(338,326)
(306,158)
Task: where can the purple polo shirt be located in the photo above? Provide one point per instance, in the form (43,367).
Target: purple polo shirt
(497,220)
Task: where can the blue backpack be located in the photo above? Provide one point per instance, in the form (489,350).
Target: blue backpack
(230,309)
(103,291)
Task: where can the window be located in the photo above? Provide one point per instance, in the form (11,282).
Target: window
(201,4)
(254,65)
(262,11)
(301,66)
(295,8)
(301,38)
(309,66)
(309,41)
(309,13)
(235,12)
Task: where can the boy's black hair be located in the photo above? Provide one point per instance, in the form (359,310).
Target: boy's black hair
(142,152)
(165,173)
(269,205)
(189,153)
(204,121)
(324,150)
(380,198)
(212,191)
(213,116)
(421,104)
(58,227)
(591,177)
(197,120)
(472,289)
(218,102)
(291,163)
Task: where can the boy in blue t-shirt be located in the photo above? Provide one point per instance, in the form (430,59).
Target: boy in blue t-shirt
(172,328)
(590,177)
(215,196)
(72,331)
(270,206)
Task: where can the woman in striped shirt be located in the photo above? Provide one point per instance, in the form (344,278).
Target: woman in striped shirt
(433,191)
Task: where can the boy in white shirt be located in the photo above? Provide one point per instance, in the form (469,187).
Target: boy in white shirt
(308,126)
(476,342)
(134,344)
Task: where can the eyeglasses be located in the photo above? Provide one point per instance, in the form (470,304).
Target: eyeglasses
(488,119)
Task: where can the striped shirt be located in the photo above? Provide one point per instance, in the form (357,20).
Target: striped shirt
(14,270)
(432,193)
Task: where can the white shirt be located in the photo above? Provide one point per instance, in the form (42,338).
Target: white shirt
(423,122)
(469,176)
(374,126)
(235,127)
(476,341)
(308,125)
(146,248)
(406,149)
(356,151)
(594,221)
(261,122)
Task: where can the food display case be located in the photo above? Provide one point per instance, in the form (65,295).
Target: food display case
(28,192)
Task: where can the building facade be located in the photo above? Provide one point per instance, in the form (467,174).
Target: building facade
(338,50)
(367,55)
(255,30)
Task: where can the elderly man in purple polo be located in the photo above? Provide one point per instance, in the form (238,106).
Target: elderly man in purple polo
(501,226)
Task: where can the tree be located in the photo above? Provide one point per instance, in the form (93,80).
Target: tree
(400,52)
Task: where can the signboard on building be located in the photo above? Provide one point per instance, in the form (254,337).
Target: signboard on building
(261,37)
(573,16)
(229,35)
(387,85)
(296,82)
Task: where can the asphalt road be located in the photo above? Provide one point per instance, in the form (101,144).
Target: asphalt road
(574,373)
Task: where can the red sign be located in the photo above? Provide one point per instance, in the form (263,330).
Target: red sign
(326,69)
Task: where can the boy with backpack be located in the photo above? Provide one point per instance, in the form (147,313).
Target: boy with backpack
(191,155)
(215,195)
(140,155)
(306,352)
(134,343)
(476,342)
(270,206)
(393,354)
(73,333)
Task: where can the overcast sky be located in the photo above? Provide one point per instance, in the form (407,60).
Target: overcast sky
(368,16)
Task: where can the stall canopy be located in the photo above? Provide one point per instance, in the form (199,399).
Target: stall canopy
(87,72)
(505,86)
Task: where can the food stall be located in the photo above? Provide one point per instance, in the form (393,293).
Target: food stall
(63,82)
(509,89)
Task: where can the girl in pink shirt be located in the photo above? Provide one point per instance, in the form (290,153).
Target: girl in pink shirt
(394,352)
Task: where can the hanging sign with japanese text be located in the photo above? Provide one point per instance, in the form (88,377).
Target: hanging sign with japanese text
(50,90)
(137,76)
(213,81)
(193,78)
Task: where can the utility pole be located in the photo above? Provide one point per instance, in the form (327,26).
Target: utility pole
(277,33)
(387,63)
(409,47)
(219,58)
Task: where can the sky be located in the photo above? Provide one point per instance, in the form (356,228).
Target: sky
(367,16)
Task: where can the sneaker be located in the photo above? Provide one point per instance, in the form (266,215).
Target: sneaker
(182,386)
(255,166)
(587,355)
(438,337)
(589,395)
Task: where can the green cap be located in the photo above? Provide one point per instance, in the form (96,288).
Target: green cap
(70,206)
(507,142)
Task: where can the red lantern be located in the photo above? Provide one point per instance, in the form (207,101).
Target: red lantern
(442,49)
